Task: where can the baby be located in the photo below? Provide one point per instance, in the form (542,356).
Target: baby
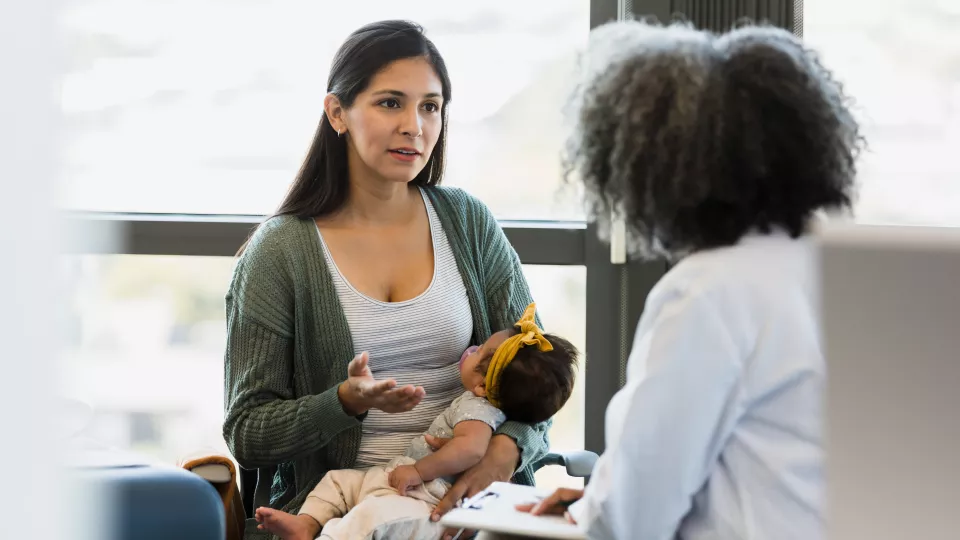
(519,374)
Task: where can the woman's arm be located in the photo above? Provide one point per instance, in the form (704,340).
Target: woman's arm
(532,442)
(265,423)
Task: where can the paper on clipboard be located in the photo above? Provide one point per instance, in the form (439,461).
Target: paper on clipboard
(493,510)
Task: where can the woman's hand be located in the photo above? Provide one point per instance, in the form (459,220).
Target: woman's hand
(555,504)
(497,465)
(361,392)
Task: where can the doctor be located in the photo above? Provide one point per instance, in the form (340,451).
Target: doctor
(717,151)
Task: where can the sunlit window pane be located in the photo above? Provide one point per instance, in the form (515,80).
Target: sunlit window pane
(900,60)
(205,106)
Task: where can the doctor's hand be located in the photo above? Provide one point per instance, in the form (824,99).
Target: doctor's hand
(556,504)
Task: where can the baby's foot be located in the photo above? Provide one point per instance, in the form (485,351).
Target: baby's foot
(287,526)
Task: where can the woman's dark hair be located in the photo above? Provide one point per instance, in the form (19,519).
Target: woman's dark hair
(536,384)
(322,184)
(696,139)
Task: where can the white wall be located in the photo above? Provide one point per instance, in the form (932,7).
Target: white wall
(28,231)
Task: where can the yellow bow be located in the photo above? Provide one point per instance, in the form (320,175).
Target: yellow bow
(530,334)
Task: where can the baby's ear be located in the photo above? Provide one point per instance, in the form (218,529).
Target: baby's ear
(480,390)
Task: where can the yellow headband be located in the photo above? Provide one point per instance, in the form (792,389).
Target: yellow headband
(530,334)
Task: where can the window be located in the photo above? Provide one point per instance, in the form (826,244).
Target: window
(900,60)
(145,350)
(208,107)
(146,343)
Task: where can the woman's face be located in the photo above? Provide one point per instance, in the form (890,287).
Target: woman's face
(393,125)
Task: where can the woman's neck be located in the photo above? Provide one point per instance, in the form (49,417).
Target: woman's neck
(374,200)
(386,203)
(377,201)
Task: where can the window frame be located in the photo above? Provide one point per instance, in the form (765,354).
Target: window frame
(537,242)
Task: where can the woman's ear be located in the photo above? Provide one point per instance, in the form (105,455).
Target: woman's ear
(333,109)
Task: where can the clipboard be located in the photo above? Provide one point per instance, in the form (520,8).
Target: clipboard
(493,510)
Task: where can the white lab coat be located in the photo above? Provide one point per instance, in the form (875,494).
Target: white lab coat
(717,433)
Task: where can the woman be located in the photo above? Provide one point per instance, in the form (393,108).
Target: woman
(717,151)
(367,254)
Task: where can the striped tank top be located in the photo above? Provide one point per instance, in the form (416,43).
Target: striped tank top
(417,341)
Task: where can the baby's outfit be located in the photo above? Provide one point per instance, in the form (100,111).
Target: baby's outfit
(355,503)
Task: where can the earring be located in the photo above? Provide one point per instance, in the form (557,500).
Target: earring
(338,132)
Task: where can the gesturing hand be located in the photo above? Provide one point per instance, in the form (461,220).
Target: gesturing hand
(361,392)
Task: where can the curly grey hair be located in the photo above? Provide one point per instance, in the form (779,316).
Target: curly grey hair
(695,139)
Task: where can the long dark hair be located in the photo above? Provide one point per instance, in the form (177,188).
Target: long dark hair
(322,184)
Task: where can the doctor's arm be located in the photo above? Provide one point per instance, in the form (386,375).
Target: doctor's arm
(670,426)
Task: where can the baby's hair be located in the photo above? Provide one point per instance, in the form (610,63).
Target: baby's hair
(536,384)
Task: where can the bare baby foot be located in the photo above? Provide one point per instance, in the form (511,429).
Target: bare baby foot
(286,526)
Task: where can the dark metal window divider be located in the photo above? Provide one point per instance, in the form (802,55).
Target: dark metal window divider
(536,242)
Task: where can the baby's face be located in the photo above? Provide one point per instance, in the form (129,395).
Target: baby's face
(474,380)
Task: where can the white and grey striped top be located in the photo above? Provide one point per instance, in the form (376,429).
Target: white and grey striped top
(417,341)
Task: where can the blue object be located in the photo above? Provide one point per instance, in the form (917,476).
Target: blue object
(579,463)
(156,503)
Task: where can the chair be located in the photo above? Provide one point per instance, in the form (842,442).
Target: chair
(578,463)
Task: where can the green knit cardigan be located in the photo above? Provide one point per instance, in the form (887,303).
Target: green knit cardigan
(288,345)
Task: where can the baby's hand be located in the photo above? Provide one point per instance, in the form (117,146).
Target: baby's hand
(404,477)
